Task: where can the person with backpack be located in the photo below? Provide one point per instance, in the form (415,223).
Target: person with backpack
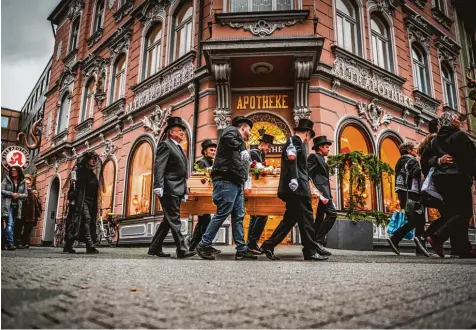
(407,186)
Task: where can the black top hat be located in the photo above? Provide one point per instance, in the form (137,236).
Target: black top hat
(433,126)
(267,138)
(305,125)
(320,140)
(208,143)
(240,119)
(175,121)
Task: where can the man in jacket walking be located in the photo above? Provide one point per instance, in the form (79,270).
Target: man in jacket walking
(319,173)
(258,222)
(31,212)
(294,190)
(229,173)
(170,175)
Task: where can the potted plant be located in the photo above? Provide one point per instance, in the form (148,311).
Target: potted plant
(355,230)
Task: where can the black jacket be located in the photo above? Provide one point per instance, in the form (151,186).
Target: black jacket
(228,164)
(294,169)
(427,158)
(457,144)
(257,155)
(204,162)
(414,172)
(170,169)
(319,174)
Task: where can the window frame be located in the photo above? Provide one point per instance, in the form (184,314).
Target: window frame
(8,121)
(157,46)
(175,28)
(66,98)
(88,99)
(384,40)
(346,18)
(424,85)
(449,83)
(101,180)
(74,37)
(274,6)
(95,17)
(114,75)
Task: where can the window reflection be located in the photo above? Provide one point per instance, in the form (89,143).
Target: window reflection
(140,180)
(389,154)
(108,178)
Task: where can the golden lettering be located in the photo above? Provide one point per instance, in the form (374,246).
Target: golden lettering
(252,102)
(239,106)
(259,101)
(265,102)
(284,102)
(271,106)
(278,101)
(246,101)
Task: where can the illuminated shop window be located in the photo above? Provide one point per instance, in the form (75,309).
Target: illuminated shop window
(139,181)
(153,51)
(353,139)
(107,187)
(390,154)
(260,5)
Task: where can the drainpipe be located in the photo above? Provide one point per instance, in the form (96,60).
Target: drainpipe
(53,28)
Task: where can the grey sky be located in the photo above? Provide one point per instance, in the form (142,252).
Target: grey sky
(27,45)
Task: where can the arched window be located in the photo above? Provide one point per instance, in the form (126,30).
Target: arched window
(348,26)
(352,138)
(88,100)
(119,78)
(107,187)
(381,45)
(73,40)
(421,75)
(260,5)
(139,180)
(152,51)
(98,16)
(449,86)
(63,115)
(183,30)
(390,154)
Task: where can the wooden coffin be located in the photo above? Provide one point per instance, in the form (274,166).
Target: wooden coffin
(262,199)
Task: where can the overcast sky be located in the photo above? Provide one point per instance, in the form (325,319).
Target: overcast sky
(27,45)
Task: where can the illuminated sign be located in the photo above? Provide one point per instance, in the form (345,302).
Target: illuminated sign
(262,102)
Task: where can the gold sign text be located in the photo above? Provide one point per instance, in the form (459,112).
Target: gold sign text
(252,102)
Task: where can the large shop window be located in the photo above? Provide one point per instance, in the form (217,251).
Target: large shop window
(238,6)
(390,154)
(153,51)
(88,100)
(449,86)
(73,41)
(98,15)
(139,181)
(348,26)
(183,30)
(63,116)
(352,138)
(421,75)
(381,45)
(107,187)
(119,78)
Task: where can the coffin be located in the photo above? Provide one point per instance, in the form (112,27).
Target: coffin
(262,199)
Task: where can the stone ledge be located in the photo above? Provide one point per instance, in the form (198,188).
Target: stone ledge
(425,103)
(95,37)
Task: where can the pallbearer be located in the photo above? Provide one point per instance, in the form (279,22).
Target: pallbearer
(258,222)
(294,190)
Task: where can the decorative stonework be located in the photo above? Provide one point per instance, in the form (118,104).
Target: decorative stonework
(121,45)
(154,10)
(191,89)
(425,102)
(66,81)
(374,114)
(109,149)
(59,49)
(367,76)
(124,10)
(161,85)
(222,74)
(387,6)
(84,127)
(447,50)
(420,3)
(263,28)
(75,9)
(441,18)
(418,30)
(60,137)
(71,59)
(95,37)
(156,121)
(302,74)
(113,110)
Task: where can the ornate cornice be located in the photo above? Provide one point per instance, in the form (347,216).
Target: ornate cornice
(95,37)
(418,30)
(84,127)
(114,110)
(420,3)
(441,18)
(75,9)
(124,10)
(425,103)
(150,10)
(447,50)
(303,69)
(387,6)
(262,24)
(222,75)
(59,138)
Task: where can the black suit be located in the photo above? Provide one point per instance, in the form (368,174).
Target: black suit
(170,173)
(298,203)
(257,222)
(319,173)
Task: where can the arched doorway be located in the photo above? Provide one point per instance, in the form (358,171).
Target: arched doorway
(51,212)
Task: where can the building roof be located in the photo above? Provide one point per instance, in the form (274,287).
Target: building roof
(5,108)
(57,13)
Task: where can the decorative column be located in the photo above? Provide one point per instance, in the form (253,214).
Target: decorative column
(302,74)
(221,73)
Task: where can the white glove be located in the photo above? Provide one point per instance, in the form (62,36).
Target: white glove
(159,191)
(293,185)
(185,198)
(245,155)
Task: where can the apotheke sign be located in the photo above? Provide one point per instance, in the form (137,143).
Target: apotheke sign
(15,156)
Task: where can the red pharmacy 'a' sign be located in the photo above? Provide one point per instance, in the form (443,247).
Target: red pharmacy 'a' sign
(15,156)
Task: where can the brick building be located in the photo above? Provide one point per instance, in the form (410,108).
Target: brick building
(10,127)
(370,74)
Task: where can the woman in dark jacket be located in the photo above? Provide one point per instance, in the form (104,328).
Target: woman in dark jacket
(31,211)
(13,193)
(453,177)
(83,204)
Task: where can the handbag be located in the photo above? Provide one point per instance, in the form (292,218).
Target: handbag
(397,220)
(430,197)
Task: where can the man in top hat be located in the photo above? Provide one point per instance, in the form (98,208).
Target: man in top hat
(319,174)
(294,190)
(258,222)
(170,175)
(209,149)
(229,173)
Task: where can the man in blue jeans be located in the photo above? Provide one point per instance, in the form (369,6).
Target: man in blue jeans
(229,173)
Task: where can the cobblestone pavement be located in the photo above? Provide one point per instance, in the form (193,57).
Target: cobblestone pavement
(125,288)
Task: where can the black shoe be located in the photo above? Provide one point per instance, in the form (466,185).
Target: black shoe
(322,250)
(269,254)
(92,250)
(184,255)
(245,255)
(159,254)
(255,250)
(11,248)
(205,252)
(69,250)
(215,251)
(421,247)
(315,257)
(393,245)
